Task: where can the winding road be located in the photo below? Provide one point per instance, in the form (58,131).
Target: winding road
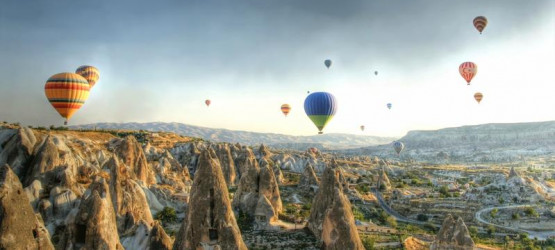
(532,234)
(394,213)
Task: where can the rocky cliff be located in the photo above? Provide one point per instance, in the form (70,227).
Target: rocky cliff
(453,234)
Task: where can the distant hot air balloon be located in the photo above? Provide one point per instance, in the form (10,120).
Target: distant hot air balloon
(468,70)
(320,107)
(327,62)
(207,102)
(376,73)
(361,127)
(67,92)
(285,108)
(480,23)
(398,146)
(478,96)
(389,105)
(308,92)
(90,73)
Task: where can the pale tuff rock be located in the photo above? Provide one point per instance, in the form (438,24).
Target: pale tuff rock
(132,156)
(513,173)
(16,148)
(93,224)
(264,213)
(170,172)
(226,162)
(158,239)
(210,220)
(257,182)
(264,152)
(453,235)
(331,219)
(383,179)
(309,182)
(187,154)
(128,198)
(245,161)
(20,228)
(278,174)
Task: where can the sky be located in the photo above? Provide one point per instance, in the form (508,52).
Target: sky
(159,61)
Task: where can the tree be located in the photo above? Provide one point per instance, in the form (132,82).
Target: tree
(444,190)
(368,242)
(473,231)
(493,212)
(391,221)
(490,230)
(167,215)
(422,217)
(515,216)
(501,200)
(530,211)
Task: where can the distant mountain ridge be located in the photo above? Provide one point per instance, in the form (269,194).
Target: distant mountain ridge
(485,142)
(325,141)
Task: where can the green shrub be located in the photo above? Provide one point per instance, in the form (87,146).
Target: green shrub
(167,215)
(422,217)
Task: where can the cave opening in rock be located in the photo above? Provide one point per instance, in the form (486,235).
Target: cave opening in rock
(80,233)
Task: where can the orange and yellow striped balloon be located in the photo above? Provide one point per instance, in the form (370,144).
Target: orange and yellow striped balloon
(67,92)
(468,70)
(285,108)
(478,96)
(480,23)
(90,73)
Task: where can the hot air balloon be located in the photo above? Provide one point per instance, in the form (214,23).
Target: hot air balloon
(327,62)
(207,102)
(285,108)
(468,70)
(376,73)
(478,96)
(389,105)
(320,107)
(67,92)
(361,127)
(398,146)
(480,23)
(88,72)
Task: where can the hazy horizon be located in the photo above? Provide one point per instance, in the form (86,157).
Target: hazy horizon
(159,62)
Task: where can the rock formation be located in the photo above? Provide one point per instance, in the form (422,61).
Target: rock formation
(245,160)
(331,219)
(17,149)
(309,182)
(384,180)
(20,228)
(257,182)
(158,239)
(93,224)
(453,235)
(264,152)
(228,165)
(513,173)
(210,220)
(133,157)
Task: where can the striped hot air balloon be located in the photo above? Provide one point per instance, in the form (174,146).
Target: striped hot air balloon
(285,108)
(468,70)
(480,23)
(398,146)
(207,102)
(67,92)
(88,72)
(320,107)
(478,96)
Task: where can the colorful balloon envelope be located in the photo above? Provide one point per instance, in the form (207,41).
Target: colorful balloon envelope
(207,102)
(480,23)
(398,146)
(376,73)
(468,70)
(285,108)
(320,107)
(327,62)
(90,73)
(478,96)
(67,92)
(389,105)
(361,127)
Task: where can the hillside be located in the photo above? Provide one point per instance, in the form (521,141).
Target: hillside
(477,143)
(326,141)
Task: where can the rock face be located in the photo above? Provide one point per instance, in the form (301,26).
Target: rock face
(158,239)
(132,155)
(383,179)
(245,160)
(331,219)
(309,182)
(453,235)
(255,183)
(93,224)
(264,152)
(227,164)
(16,149)
(513,173)
(210,220)
(20,228)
